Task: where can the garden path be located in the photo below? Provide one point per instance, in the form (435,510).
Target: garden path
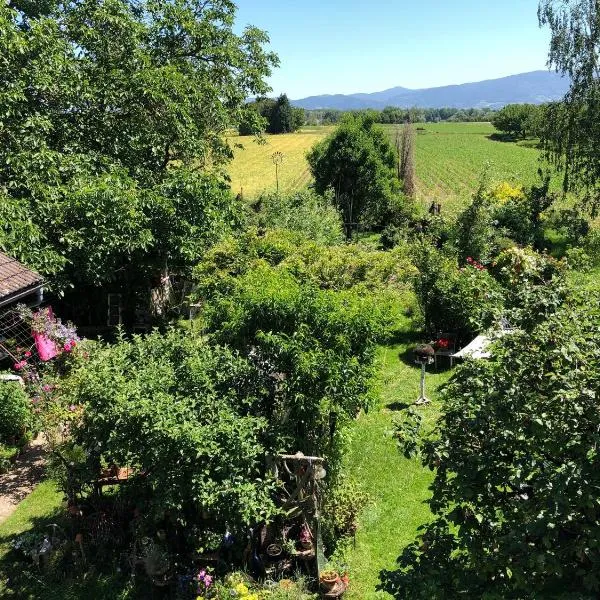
(20,481)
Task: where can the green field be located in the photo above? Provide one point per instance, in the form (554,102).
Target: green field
(253,172)
(450,161)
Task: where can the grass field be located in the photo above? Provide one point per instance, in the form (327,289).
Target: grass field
(252,170)
(452,157)
(398,487)
(450,160)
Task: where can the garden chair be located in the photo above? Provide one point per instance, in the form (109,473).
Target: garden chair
(445,346)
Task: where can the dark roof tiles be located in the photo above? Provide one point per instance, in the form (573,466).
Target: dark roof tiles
(15,277)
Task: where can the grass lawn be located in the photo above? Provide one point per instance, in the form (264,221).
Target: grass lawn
(398,486)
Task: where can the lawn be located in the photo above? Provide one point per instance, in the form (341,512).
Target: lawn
(450,161)
(398,486)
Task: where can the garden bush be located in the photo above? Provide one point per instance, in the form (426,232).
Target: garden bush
(180,413)
(516,471)
(16,415)
(328,267)
(317,346)
(464,300)
(305,212)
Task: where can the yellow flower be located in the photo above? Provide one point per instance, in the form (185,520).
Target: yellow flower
(199,597)
(241,589)
(252,597)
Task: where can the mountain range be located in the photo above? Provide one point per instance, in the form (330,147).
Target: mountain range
(534,87)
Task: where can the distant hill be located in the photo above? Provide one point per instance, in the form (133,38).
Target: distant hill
(534,87)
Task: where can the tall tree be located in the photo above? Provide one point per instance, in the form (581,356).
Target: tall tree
(407,160)
(357,162)
(572,130)
(282,116)
(109,111)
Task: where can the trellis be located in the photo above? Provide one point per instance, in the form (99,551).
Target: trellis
(15,334)
(300,498)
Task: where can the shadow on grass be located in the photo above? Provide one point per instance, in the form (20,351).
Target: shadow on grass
(398,406)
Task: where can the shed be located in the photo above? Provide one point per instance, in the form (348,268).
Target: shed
(18,283)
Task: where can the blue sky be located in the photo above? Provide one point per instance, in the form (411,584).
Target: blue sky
(335,46)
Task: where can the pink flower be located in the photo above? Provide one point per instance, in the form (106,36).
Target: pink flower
(19,365)
(208,580)
(47,388)
(27,354)
(72,408)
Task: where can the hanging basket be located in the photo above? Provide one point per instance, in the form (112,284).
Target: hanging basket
(46,348)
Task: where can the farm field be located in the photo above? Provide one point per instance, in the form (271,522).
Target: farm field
(253,172)
(450,161)
(451,158)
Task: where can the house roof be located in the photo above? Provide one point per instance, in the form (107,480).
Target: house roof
(16,280)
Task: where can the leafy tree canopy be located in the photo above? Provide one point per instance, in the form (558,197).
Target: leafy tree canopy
(572,127)
(357,162)
(107,108)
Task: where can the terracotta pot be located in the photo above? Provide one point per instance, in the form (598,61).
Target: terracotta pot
(328,580)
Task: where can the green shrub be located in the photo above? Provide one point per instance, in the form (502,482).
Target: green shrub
(305,212)
(316,345)
(516,469)
(463,301)
(185,414)
(15,413)
(327,267)
(342,506)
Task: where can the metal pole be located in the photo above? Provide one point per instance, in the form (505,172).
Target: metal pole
(423,399)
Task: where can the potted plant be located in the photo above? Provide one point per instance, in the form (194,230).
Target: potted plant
(328,579)
(305,537)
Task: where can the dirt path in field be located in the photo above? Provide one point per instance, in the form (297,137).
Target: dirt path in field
(19,482)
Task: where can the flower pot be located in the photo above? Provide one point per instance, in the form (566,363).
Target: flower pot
(45,347)
(328,580)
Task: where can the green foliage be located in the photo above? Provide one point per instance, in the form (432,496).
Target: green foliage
(101,132)
(475,229)
(571,127)
(342,505)
(346,267)
(515,458)
(357,162)
(284,118)
(407,432)
(305,212)
(185,415)
(274,116)
(317,348)
(502,212)
(463,301)
(16,415)
(519,120)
